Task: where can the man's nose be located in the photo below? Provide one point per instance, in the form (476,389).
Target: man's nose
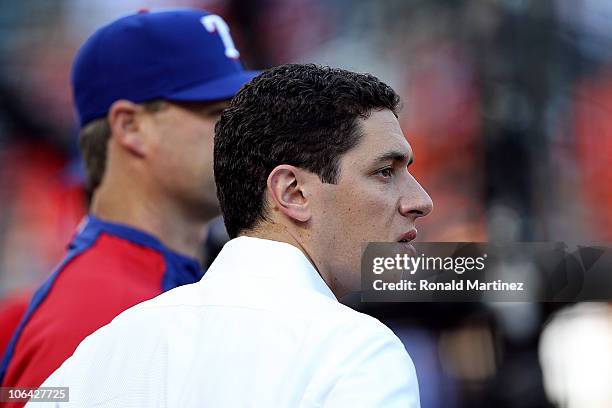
(415,201)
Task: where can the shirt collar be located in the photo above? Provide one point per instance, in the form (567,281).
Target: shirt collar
(91,227)
(267,259)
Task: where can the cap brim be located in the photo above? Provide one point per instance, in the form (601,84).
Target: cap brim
(216,90)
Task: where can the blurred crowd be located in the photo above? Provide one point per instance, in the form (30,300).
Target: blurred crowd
(506,103)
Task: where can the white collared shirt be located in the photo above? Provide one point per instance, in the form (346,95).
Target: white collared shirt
(261,329)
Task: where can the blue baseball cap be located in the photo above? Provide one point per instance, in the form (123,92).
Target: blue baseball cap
(176,55)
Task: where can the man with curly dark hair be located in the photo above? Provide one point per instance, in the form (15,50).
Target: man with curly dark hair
(310,162)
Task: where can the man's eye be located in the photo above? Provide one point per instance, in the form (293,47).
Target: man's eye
(386,172)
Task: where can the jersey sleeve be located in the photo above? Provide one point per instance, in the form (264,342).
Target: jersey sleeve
(89,292)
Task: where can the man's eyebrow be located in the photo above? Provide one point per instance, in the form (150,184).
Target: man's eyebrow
(204,108)
(214,107)
(395,156)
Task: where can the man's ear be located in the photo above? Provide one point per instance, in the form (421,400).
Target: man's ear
(287,192)
(124,120)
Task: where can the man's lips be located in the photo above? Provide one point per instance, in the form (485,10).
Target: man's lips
(408,236)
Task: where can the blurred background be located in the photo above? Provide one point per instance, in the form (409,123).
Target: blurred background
(507,105)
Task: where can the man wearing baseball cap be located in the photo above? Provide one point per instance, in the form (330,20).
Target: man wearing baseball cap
(149,88)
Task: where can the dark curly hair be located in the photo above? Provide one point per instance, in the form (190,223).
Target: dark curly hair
(304,115)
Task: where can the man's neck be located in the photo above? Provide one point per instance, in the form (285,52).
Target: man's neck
(177,231)
(278,232)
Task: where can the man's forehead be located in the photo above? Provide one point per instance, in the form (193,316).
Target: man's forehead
(383,138)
